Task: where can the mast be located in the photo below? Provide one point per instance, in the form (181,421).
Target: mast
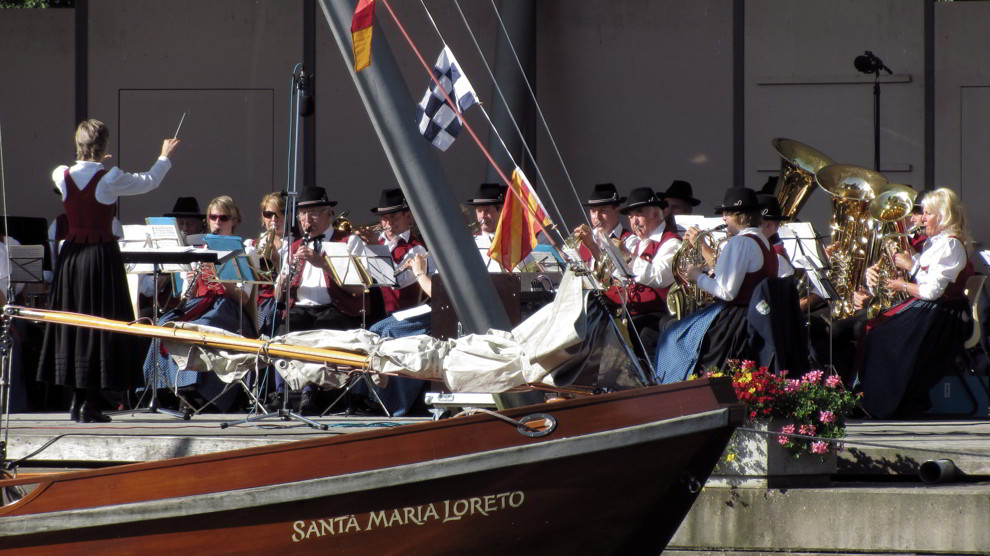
(415,166)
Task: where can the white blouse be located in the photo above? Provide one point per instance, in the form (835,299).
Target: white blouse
(938,265)
(740,256)
(115,183)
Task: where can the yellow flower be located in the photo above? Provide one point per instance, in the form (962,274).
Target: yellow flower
(730,457)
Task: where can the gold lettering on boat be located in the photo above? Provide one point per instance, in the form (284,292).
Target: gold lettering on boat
(442,512)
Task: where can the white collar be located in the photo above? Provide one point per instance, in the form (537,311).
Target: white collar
(617,231)
(404,235)
(657,233)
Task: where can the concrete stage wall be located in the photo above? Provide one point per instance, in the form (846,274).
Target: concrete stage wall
(637,92)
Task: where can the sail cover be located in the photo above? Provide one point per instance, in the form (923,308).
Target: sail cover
(570,341)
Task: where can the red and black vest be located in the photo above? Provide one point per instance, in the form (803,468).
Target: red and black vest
(90,221)
(397,299)
(918,242)
(753,279)
(957,289)
(342,300)
(778,246)
(642,299)
(586,253)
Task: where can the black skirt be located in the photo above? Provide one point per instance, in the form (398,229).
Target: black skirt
(726,338)
(905,355)
(90,279)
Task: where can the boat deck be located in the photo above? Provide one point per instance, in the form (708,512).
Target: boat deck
(873,447)
(131,438)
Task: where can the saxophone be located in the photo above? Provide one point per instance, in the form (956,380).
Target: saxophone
(685,297)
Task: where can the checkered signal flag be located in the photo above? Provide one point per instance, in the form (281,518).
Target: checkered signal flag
(436,119)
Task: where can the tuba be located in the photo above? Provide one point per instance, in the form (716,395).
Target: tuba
(888,209)
(798,165)
(684,298)
(852,189)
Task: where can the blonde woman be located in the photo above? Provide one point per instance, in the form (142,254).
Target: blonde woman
(206,301)
(908,348)
(273,222)
(89,275)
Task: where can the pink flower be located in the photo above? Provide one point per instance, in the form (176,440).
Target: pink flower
(819,447)
(792,385)
(807,430)
(747,365)
(785,440)
(833,381)
(826,416)
(813,377)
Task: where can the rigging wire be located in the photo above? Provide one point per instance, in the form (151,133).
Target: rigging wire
(508,111)
(625,308)
(464,121)
(536,103)
(7,356)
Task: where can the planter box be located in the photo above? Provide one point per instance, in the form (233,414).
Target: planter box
(761,462)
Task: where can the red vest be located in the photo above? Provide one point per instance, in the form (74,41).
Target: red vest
(397,299)
(918,242)
(642,299)
(586,253)
(342,300)
(90,221)
(205,282)
(753,279)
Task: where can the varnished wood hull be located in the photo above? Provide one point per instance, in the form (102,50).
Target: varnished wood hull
(617,475)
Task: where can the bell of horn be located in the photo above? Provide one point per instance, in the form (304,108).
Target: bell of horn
(798,165)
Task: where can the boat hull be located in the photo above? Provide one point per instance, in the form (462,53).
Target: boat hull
(617,475)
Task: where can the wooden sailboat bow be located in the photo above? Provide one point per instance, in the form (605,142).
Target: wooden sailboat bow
(216,341)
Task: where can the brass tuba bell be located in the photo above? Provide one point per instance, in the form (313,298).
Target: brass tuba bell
(798,165)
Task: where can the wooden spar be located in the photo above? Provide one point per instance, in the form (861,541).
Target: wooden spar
(216,341)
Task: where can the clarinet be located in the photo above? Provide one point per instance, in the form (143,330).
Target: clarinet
(191,285)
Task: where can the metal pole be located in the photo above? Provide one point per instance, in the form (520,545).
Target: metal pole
(415,166)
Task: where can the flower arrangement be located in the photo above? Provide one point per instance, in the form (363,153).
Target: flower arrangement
(812,405)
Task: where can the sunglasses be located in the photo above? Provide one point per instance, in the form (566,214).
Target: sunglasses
(270,214)
(220,217)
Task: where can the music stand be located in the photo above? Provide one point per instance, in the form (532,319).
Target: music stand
(156,258)
(816,267)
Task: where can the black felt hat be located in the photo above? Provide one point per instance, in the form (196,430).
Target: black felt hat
(186,207)
(642,197)
(604,194)
(771,208)
(311,197)
(918,208)
(739,199)
(393,200)
(681,189)
(488,194)
(770,187)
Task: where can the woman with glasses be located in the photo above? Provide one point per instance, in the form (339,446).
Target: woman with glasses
(270,247)
(89,275)
(207,301)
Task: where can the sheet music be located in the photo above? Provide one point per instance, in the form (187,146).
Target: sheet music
(26,263)
(378,261)
(612,252)
(345,267)
(801,243)
(153,236)
(685,221)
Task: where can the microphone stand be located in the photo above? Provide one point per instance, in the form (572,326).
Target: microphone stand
(300,81)
(876,120)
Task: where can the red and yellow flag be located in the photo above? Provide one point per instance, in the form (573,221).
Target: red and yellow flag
(515,236)
(361,28)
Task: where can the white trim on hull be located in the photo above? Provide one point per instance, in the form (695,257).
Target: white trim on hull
(364,480)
